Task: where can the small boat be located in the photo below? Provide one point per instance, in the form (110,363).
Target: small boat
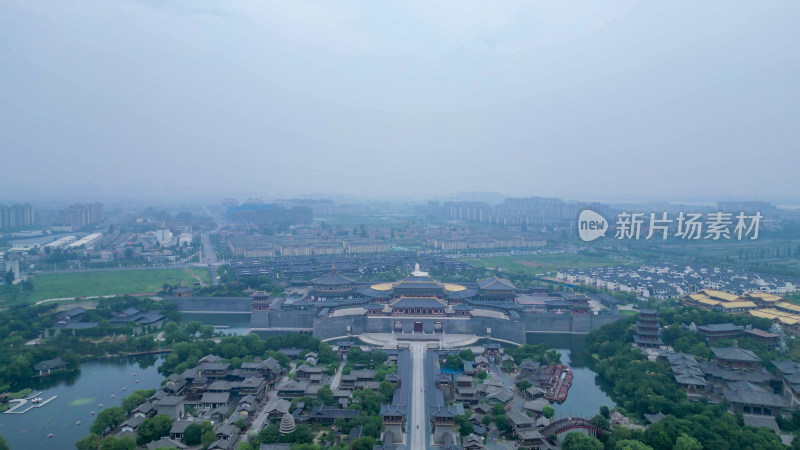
(91,413)
(134,373)
(137,381)
(113,396)
(37,400)
(99,405)
(124,388)
(49,435)
(78,422)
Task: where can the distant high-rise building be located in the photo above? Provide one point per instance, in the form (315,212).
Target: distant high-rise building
(229,203)
(528,211)
(16,216)
(747,207)
(80,215)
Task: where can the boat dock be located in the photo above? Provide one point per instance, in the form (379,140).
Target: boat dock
(559,380)
(21,402)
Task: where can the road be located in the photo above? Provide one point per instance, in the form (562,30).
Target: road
(337,377)
(418,430)
(209,256)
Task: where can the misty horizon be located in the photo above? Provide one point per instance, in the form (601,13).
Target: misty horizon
(197,101)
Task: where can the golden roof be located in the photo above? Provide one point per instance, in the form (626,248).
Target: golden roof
(772,314)
(454,287)
(738,305)
(708,301)
(720,295)
(765,297)
(788,306)
(451,287)
(383,286)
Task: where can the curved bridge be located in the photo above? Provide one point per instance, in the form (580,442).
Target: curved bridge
(568,424)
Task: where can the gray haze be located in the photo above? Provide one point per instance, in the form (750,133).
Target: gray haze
(582,100)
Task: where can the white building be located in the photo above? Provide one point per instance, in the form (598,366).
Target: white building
(164,237)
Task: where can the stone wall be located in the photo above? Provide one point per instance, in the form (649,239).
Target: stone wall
(567,323)
(337,326)
(325,328)
(216,304)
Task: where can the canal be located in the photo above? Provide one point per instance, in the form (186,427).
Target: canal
(586,395)
(235,324)
(79,393)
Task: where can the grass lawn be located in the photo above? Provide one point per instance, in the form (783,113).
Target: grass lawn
(83,284)
(627,312)
(534,264)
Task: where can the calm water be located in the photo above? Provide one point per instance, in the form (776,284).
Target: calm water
(237,324)
(586,395)
(78,394)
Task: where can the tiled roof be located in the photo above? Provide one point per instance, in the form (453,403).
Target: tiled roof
(332,278)
(735,354)
(496,284)
(425,302)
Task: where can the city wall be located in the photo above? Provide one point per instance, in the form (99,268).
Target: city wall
(324,328)
(566,323)
(211,304)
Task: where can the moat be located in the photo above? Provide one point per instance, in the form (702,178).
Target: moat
(586,395)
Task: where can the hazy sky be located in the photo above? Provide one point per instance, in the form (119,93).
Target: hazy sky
(583,100)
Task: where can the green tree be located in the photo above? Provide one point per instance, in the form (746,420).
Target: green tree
(108,443)
(498,410)
(548,411)
(386,390)
(575,440)
(153,428)
(193,327)
(466,355)
(325,395)
(107,420)
(453,362)
(136,398)
(685,442)
(600,422)
(482,375)
(326,354)
(630,444)
(207,331)
(379,357)
(208,438)
(90,442)
(193,434)
(125,443)
(3,444)
(363,443)
(466,428)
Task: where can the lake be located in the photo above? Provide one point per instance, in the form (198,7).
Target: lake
(79,394)
(586,395)
(237,324)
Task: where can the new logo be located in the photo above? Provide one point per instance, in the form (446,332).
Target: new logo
(591,225)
